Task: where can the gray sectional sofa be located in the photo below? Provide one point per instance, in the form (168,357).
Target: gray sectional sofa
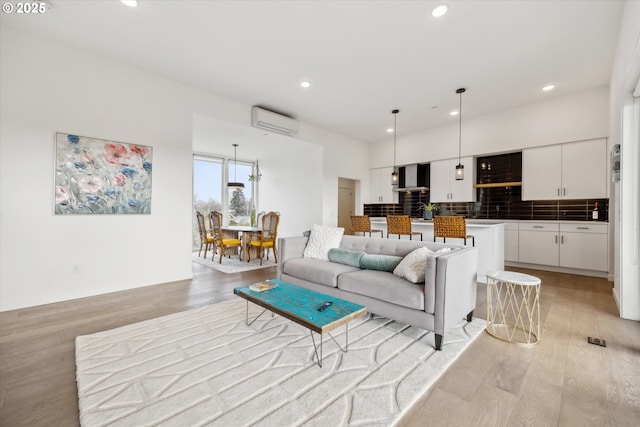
(447,295)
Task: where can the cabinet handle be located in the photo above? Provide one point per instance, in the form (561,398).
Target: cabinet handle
(538,226)
(582,228)
(556,239)
(558,191)
(564,191)
(562,239)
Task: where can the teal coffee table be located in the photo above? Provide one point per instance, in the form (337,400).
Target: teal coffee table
(302,306)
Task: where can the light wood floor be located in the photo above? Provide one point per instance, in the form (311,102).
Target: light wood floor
(561,382)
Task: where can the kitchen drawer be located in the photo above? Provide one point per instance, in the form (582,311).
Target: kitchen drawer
(539,226)
(587,227)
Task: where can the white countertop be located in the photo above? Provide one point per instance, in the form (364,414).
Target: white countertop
(495,221)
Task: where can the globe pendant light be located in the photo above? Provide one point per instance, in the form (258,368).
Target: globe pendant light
(459,167)
(235,184)
(394,174)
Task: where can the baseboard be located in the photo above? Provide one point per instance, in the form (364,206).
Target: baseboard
(577,271)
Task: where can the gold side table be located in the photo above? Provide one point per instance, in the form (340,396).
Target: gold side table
(513,307)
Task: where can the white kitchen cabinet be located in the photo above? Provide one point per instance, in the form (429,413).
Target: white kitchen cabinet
(511,241)
(576,170)
(581,246)
(443,184)
(584,246)
(381,188)
(538,243)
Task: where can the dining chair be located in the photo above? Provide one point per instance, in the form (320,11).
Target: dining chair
(219,242)
(362,224)
(453,227)
(205,238)
(401,225)
(266,239)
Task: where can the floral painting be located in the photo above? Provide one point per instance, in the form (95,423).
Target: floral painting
(94,176)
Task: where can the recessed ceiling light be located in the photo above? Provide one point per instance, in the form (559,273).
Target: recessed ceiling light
(439,11)
(454,113)
(305,84)
(390,130)
(548,88)
(130,3)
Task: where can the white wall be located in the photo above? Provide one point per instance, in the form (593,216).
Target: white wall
(575,117)
(624,77)
(343,158)
(47,87)
(291,186)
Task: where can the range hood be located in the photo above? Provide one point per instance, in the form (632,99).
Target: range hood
(414,180)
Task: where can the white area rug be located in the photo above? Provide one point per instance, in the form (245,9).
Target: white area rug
(233,264)
(206,367)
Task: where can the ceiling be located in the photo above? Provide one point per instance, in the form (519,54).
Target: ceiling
(363,58)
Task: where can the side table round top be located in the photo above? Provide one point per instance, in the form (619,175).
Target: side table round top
(514,277)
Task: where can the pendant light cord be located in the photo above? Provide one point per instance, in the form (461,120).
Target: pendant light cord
(460,91)
(235,162)
(395,130)
(460,128)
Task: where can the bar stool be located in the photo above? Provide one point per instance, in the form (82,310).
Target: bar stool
(401,225)
(513,307)
(362,224)
(453,227)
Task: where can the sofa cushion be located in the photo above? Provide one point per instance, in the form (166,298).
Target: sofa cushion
(413,266)
(383,286)
(321,240)
(379,262)
(345,256)
(314,270)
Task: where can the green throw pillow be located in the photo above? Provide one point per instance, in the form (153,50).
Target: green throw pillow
(379,262)
(345,256)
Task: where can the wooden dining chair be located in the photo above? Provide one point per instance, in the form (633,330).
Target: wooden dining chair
(266,239)
(362,224)
(205,239)
(401,225)
(453,227)
(219,242)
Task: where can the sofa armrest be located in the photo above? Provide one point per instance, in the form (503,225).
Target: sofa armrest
(456,284)
(289,248)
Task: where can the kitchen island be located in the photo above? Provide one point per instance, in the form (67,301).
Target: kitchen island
(489,239)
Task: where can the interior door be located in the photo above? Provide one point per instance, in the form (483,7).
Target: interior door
(346,203)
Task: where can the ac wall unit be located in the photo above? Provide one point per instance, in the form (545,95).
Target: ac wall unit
(265,119)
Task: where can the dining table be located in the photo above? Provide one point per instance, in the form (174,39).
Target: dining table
(243,233)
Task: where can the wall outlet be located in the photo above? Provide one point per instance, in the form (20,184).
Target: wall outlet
(597,341)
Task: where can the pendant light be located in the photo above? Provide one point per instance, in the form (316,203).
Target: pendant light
(394,174)
(235,185)
(459,167)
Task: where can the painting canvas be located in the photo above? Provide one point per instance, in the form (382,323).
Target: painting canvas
(96,176)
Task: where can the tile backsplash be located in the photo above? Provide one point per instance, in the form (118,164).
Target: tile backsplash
(498,203)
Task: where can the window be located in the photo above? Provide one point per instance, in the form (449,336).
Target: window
(207,190)
(241,201)
(210,192)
